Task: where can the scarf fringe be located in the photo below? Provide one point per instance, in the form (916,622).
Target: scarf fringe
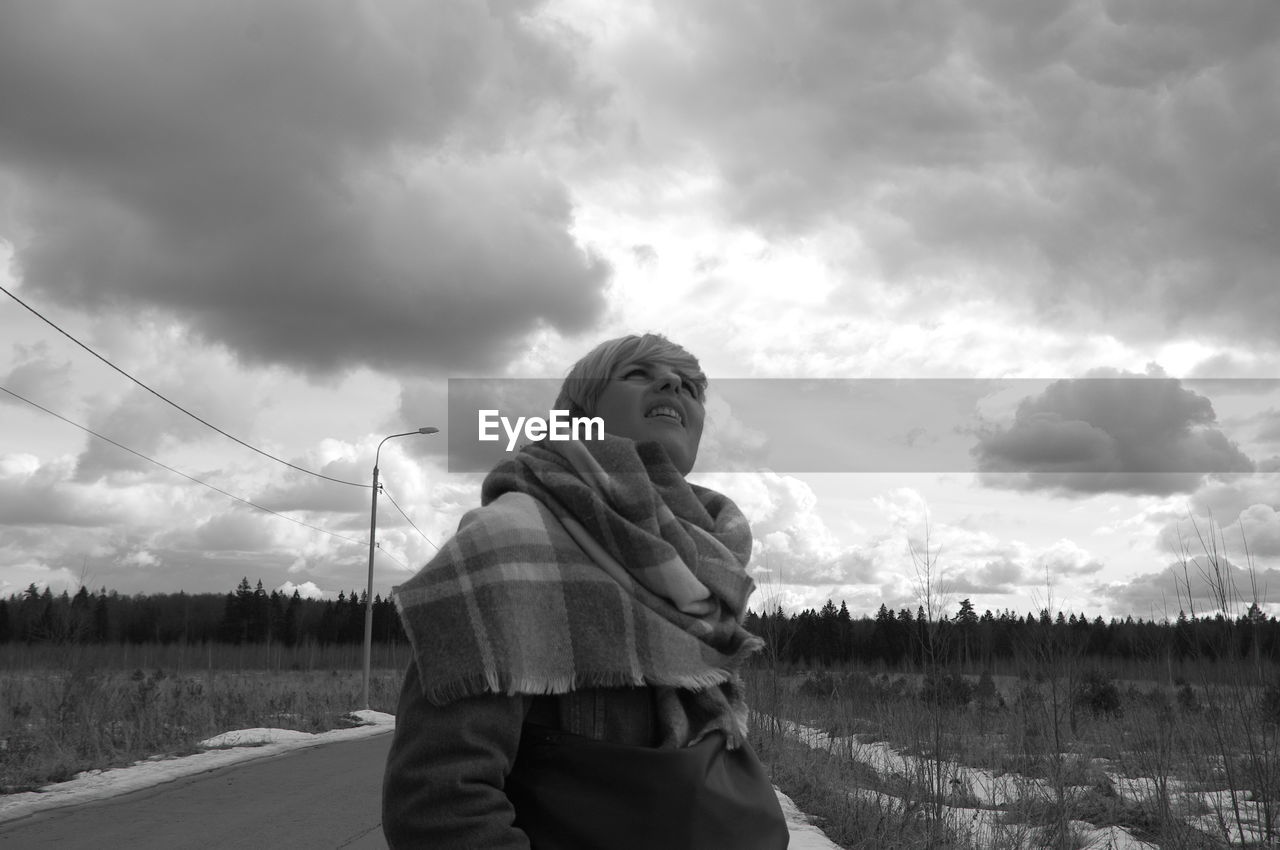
(441,693)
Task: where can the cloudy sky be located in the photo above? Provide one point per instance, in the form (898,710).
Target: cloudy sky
(299,220)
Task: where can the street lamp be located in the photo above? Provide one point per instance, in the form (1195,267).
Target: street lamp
(373,528)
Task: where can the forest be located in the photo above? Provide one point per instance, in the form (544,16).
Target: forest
(832,636)
(247,614)
(828,637)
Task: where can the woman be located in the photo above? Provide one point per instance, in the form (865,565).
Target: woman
(576,644)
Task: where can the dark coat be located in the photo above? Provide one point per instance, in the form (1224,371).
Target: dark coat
(443,786)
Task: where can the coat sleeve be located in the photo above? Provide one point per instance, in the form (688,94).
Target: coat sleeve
(443,786)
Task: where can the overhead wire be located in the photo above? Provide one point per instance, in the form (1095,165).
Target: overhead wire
(174,404)
(179,472)
(204,422)
(392,557)
(386,493)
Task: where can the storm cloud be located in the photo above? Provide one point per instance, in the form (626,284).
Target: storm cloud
(1109,432)
(320,185)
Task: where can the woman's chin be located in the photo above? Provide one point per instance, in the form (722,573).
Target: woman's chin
(679,456)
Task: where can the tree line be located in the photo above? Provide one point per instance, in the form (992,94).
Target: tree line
(825,637)
(832,636)
(247,614)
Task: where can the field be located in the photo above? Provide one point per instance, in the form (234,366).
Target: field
(68,709)
(1060,756)
(1055,754)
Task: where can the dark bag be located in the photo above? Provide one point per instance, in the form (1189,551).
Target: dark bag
(576,793)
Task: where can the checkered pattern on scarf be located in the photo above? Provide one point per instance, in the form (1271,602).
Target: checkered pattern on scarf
(591,564)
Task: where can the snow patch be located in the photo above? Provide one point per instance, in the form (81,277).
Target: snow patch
(804,835)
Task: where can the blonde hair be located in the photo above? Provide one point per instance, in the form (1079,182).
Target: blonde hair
(590,375)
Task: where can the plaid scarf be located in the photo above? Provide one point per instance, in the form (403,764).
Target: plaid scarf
(591,565)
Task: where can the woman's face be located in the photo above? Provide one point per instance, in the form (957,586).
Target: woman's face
(648,401)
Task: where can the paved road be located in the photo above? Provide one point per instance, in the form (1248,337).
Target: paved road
(322,797)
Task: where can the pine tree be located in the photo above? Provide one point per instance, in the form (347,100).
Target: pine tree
(80,618)
(966,624)
(258,614)
(844,620)
(827,643)
(291,630)
(101,618)
(237,612)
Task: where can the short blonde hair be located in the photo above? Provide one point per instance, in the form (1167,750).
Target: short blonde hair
(590,375)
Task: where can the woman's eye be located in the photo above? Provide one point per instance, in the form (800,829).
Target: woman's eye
(634,372)
(688,387)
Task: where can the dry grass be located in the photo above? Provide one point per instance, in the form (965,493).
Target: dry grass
(90,713)
(1177,767)
(1188,765)
(841,793)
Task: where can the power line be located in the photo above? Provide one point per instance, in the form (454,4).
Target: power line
(406,516)
(392,557)
(178,472)
(174,404)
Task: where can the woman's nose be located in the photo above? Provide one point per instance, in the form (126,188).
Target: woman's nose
(667,381)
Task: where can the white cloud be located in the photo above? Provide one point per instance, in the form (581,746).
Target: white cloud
(1164,593)
(307,590)
(37,375)
(1064,558)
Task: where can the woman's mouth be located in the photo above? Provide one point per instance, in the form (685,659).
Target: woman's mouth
(666,411)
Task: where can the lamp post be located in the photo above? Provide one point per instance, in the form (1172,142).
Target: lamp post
(373,528)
